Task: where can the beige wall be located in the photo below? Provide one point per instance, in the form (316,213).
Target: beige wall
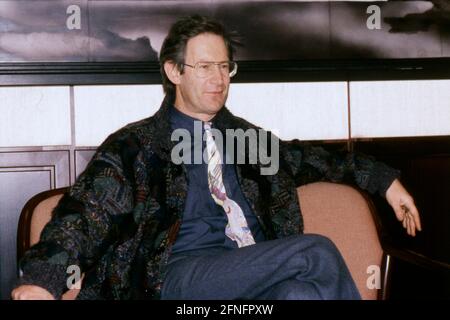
(46,116)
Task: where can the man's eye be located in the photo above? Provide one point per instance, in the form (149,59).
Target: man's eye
(203,66)
(224,66)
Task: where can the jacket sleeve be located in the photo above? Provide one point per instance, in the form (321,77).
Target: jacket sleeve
(86,220)
(307,163)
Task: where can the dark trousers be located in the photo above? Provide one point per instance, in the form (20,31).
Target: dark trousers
(294,268)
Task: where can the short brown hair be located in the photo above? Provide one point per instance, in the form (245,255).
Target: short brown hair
(174,45)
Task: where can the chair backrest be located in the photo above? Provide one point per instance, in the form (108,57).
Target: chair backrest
(41,216)
(343,214)
(36,213)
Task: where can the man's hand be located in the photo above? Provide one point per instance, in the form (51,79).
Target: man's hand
(404,207)
(27,292)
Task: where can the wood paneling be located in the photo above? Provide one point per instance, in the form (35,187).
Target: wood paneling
(82,158)
(22,175)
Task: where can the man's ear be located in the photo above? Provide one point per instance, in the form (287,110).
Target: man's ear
(172,72)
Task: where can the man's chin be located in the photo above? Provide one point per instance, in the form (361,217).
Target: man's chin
(215,106)
(213,110)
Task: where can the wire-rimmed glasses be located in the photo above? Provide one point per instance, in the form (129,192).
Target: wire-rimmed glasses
(204,69)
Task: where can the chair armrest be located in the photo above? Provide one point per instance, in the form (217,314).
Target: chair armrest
(414,257)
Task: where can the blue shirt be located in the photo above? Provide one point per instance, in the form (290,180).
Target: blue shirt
(204,221)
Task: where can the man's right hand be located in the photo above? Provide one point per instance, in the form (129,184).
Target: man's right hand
(28,292)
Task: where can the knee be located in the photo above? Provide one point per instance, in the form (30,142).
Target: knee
(321,240)
(324,247)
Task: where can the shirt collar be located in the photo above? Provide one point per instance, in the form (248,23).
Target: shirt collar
(180,120)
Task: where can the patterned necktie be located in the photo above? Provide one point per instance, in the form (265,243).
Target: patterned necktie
(237,228)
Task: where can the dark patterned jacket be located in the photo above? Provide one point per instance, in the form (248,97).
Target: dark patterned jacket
(121,217)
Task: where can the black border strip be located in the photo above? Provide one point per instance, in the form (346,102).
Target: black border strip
(91,73)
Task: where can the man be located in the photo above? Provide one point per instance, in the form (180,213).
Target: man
(141,226)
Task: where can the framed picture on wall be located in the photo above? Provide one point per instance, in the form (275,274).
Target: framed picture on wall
(92,41)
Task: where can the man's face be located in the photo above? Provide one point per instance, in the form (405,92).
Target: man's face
(199,97)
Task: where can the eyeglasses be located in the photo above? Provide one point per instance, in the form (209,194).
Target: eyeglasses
(205,69)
